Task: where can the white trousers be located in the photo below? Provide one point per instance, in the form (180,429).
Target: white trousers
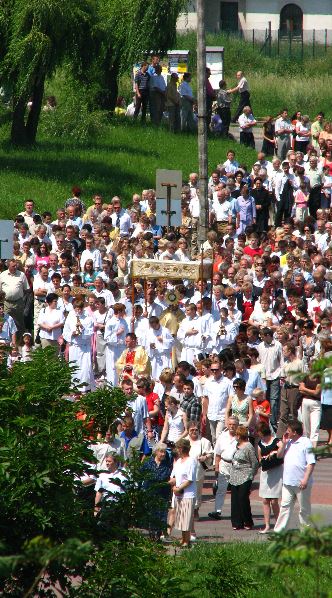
(199,490)
(112,355)
(288,498)
(221,491)
(311,415)
(216,427)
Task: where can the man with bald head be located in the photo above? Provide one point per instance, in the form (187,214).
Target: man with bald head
(242,88)
(319,277)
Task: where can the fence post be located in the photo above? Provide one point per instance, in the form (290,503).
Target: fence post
(253,38)
(302,47)
(325,42)
(278,43)
(313,42)
(270,39)
(290,44)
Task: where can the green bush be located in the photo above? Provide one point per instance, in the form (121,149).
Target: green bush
(74,120)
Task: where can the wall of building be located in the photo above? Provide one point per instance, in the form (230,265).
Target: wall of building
(317,14)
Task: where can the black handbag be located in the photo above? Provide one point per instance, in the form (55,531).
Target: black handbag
(37,338)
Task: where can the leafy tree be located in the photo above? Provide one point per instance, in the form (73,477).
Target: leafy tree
(37,37)
(47,530)
(132,28)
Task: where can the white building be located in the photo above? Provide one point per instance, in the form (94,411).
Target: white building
(248,15)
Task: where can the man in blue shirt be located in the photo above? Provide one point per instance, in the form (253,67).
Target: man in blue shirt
(251,377)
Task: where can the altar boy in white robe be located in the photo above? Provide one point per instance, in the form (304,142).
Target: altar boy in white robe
(116,329)
(158,345)
(78,331)
(189,335)
(224,332)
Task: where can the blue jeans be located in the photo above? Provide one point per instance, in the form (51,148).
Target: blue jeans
(273,396)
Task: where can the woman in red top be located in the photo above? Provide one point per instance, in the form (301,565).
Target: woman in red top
(247,301)
(145,390)
(326,160)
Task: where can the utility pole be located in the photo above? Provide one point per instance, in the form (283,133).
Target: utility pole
(202,123)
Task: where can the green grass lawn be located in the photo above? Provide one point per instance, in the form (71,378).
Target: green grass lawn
(122,161)
(243,564)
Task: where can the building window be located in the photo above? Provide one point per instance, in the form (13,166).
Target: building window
(291,19)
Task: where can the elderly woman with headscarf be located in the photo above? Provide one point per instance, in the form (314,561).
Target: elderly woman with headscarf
(158,469)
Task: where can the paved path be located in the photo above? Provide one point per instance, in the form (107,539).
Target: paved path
(258,134)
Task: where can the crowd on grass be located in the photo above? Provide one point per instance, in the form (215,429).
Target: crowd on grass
(172,100)
(217,372)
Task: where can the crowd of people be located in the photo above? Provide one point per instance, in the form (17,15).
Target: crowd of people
(217,372)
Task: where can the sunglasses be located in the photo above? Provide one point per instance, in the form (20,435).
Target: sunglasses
(193,430)
(217,370)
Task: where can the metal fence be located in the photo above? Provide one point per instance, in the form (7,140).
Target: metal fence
(287,44)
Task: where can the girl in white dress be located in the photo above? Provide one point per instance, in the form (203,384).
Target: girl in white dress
(77,332)
(158,344)
(116,329)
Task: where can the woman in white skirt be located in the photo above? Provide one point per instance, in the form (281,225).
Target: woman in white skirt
(201,450)
(183,481)
(270,485)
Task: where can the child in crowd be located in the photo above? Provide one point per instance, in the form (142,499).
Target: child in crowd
(301,196)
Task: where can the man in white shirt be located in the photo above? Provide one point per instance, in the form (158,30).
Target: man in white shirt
(157,91)
(246,123)
(231,165)
(187,101)
(271,357)
(120,218)
(29,212)
(299,463)
(221,211)
(283,132)
(100,291)
(224,450)
(14,284)
(285,185)
(91,253)
(261,159)
(216,393)
(243,88)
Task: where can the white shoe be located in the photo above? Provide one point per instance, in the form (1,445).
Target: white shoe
(193,538)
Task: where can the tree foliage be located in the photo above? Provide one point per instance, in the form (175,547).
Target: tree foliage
(307,547)
(98,39)
(37,37)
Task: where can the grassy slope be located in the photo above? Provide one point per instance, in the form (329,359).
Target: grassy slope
(123,162)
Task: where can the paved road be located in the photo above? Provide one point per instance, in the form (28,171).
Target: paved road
(258,134)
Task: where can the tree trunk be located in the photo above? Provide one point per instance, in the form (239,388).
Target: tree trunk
(113,84)
(34,114)
(18,132)
(107,98)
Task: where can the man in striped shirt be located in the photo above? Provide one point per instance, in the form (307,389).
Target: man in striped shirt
(142,79)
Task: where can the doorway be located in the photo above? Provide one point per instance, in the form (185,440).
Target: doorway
(229,16)
(291,20)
